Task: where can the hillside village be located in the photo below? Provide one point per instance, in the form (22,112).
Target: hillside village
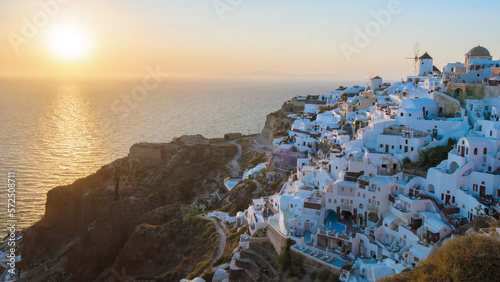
(359,184)
(371,197)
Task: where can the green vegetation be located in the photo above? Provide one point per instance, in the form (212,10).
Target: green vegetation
(294,149)
(208,276)
(471,257)
(251,185)
(324,109)
(200,267)
(275,186)
(406,162)
(292,266)
(343,97)
(232,241)
(323,275)
(259,159)
(434,156)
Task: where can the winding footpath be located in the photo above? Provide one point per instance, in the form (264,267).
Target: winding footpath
(234,162)
(222,240)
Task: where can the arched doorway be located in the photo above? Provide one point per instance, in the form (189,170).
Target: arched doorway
(330,215)
(453,167)
(307,226)
(458,92)
(359,220)
(346,215)
(431,189)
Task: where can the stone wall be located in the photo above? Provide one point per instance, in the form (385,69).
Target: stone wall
(278,241)
(463,91)
(446,105)
(192,139)
(144,155)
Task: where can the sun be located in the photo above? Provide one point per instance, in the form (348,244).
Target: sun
(68,42)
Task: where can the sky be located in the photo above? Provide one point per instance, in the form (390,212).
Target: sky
(193,38)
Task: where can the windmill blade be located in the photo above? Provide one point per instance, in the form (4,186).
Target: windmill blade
(416,55)
(370,76)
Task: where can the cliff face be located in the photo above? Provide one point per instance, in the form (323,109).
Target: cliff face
(98,222)
(276,124)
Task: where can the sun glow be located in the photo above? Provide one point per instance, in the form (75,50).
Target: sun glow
(68,42)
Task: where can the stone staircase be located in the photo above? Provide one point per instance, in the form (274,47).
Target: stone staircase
(257,263)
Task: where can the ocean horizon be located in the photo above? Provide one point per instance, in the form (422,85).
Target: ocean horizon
(59,130)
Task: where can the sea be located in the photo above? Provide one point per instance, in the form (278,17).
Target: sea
(55,130)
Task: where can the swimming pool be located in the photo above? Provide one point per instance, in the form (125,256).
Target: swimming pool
(331,222)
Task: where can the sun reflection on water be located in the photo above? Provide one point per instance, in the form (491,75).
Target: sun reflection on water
(68,136)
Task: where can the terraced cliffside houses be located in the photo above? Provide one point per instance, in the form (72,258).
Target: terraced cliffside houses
(389,170)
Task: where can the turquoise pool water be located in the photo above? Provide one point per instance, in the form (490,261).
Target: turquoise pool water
(332,224)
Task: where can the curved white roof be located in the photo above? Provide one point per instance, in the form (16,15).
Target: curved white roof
(418,103)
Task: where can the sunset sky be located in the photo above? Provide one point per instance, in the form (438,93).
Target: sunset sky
(195,38)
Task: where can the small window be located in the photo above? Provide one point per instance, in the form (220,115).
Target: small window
(402,115)
(485,151)
(475,151)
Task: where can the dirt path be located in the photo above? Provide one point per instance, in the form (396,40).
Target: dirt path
(235,171)
(222,241)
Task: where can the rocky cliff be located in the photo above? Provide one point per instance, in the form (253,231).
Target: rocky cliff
(129,218)
(277,124)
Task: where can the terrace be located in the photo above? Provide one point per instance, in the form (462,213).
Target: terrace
(321,254)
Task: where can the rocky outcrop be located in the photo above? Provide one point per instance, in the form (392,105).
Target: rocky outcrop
(192,139)
(96,228)
(277,124)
